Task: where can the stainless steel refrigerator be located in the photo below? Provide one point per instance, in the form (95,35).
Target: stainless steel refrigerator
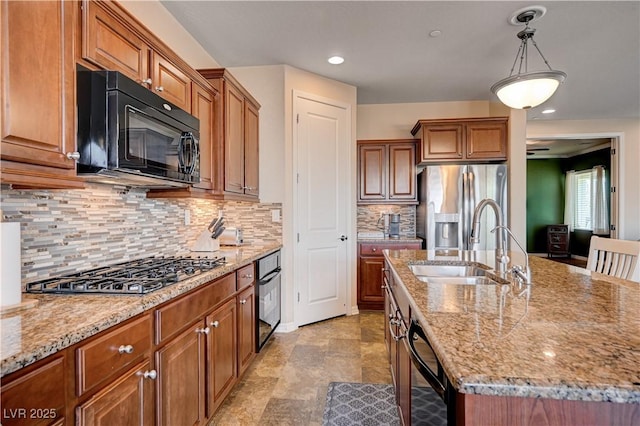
(448,195)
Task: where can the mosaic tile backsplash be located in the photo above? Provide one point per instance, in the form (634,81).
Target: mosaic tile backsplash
(68,231)
(368,216)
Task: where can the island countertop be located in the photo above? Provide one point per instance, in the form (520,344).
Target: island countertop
(59,321)
(572,335)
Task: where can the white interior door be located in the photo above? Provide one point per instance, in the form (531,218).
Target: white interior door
(321,255)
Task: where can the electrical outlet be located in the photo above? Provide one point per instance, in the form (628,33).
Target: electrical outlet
(187,217)
(275,215)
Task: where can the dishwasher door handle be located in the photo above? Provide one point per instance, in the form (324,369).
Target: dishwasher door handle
(271,276)
(415,331)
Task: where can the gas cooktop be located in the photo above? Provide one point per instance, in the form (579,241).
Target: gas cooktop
(132,277)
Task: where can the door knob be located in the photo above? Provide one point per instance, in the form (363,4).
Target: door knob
(343,237)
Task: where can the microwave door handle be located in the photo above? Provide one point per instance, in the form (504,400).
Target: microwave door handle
(196,154)
(422,366)
(181,167)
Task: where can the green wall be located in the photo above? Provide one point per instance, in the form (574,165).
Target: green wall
(545,197)
(545,200)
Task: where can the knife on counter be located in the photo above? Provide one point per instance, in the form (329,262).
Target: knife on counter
(215,222)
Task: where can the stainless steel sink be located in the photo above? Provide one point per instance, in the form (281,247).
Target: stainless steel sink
(430,270)
(472,280)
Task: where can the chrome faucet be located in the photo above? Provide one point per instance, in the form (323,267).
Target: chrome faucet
(524,274)
(501,256)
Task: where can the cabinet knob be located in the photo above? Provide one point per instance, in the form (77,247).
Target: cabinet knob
(243,301)
(151,374)
(215,324)
(73,155)
(203,330)
(125,349)
(159,88)
(147,81)
(247,276)
(374,249)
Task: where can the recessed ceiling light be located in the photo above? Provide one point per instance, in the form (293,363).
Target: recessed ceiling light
(435,33)
(335,60)
(549,111)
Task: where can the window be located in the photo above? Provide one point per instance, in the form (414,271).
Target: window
(586,203)
(582,201)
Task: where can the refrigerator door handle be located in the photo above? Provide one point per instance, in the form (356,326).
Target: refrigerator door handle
(465,211)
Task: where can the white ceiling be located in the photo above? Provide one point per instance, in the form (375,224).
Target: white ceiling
(391,58)
(564,148)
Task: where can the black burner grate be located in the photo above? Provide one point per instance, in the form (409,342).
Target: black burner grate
(133,277)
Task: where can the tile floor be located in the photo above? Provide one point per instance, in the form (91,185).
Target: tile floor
(287,382)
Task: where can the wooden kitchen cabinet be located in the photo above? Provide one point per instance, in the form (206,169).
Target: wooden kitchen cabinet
(38,95)
(113,40)
(127,401)
(246,328)
(202,107)
(35,395)
(221,353)
(181,378)
(387,171)
(370,265)
(237,143)
(460,140)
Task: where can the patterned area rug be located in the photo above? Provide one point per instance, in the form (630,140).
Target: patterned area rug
(360,404)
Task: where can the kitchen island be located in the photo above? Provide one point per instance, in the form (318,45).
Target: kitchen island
(566,350)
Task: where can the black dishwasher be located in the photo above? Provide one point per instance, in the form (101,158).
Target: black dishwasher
(268,300)
(432,396)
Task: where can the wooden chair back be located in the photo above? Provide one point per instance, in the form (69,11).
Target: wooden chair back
(617,258)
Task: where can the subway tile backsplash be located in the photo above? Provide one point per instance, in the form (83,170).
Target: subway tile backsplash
(67,231)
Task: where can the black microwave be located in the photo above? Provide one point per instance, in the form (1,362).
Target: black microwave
(129,135)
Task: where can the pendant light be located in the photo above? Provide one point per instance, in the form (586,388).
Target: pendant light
(526,89)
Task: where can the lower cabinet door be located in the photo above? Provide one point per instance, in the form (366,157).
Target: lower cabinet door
(128,401)
(370,293)
(246,328)
(180,383)
(221,353)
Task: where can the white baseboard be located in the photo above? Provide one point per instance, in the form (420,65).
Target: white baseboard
(286,327)
(354,310)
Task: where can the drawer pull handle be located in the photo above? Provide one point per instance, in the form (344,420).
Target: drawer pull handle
(125,349)
(374,249)
(159,88)
(152,374)
(147,81)
(243,301)
(202,330)
(247,276)
(215,324)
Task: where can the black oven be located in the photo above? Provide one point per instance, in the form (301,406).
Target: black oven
(432,396)
(268,310)
(126,131)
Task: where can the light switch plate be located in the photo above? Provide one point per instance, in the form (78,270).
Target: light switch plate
(275,215)
(187,217)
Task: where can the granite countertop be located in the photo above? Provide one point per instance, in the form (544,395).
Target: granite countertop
(59,321)
(573,335)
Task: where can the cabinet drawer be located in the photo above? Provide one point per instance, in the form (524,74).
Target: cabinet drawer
(175,316)
(558,238)
(38,393)
(558,229)
(375,249)
(246,276)
(101,358)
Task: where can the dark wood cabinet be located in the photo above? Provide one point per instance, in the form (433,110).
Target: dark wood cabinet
(459,140)
(127,401)
(236,145)
(558,240)
(35,396)
(246,329)
(181,378)
(38,95)
(387,172)
(222,353)
(370,265)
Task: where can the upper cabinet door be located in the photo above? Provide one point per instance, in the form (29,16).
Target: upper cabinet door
(402,175)
(251,150)
(442,141)
(373,172)
(170,82)
(487,140)
(234,140)
(108,43)
(202,107)
(38,94)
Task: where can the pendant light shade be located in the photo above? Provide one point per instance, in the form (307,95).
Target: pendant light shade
(526,90)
